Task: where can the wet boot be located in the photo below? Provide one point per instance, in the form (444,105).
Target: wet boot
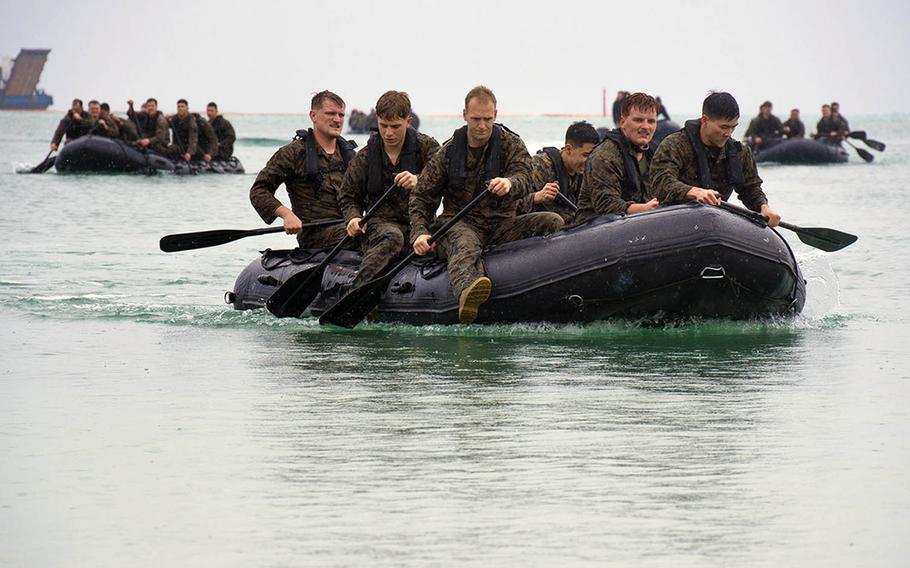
(471,299)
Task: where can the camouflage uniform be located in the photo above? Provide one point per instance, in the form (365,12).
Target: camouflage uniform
(312,197)
(674,172)
(155,128)
(765,128)
(491,221)
(797,128)
(389,226)
(72,128)
(186,136)
(127,129)
(108,130)
(541,174)
(603,190)
(208,140)
(226,137)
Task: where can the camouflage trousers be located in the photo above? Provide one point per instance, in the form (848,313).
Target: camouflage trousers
(464,242)
(325,237)
(384,241)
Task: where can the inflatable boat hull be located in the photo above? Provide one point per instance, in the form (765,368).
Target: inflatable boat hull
(101,154)
(802,151)
(674,263)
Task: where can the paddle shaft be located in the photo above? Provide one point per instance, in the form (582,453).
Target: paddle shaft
(204,239)
(825,239)
(865,155)
(567,202)
(284,304)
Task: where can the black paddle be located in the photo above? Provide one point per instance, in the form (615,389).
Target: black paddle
(203,239)
(861,135)
(567,202)
(45,164)
(864,154)
(828,240)
(299,291)
(356,304)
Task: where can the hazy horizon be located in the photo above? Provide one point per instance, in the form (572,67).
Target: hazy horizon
(265,61)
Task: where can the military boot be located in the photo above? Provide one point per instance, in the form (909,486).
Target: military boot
(474,295)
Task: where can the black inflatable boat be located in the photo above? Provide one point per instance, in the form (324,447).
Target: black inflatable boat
(801,151)
(674,263)
(101,154)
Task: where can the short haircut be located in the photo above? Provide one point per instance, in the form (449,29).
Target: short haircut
(393,105)
(766,104)
(183,101)
(151,100)
(77,101)
(105,107)
(93,102)
(720,105)
(826,106)
(641,101)
(794,110)
(322,96)
(212,104)
(581,133)
(482,94)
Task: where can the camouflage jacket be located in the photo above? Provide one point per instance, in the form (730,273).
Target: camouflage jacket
(72,128)
(312,196)
(541,174)
(434,186)
(765,128)
(208,140)
(603,190)
(127,129)
(155,128)
(797,128)
(353,196)
(186,133)
(674,172)
(226,136)
(109,129)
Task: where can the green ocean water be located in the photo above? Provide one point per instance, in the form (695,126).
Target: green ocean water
(141,418)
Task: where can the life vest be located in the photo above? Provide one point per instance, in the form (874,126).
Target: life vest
(408,160)
(732,148)
(559,171)
(181,127)
(457,154)
(311,163)
(147,123)
(631,182)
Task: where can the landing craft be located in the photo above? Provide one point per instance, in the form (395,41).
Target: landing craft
(19,81)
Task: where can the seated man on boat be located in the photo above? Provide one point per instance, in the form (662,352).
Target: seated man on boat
(224,130)
(186,133)
(794,127)
(828,129)
(560,172)
(103,126)
(76,124)
(312,168)
(702,162)
(837,116)
(396,154)
(208,140)
(151,125)
(616,178)
(765,128)
(481,155)
(126,128)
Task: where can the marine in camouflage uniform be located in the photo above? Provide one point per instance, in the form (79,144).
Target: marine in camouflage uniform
(492,221)
(605,189)
(72,127)
(314,195)
(674,171)
(542,173)
(186,136)
(151,126)
(387,230)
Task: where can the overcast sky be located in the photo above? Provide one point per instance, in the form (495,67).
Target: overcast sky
(539,57)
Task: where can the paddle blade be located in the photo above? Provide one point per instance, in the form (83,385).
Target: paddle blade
(47,164)
(292,298)
(875,144)
(828,240)
(864,154)
(355,305)
(202,239)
